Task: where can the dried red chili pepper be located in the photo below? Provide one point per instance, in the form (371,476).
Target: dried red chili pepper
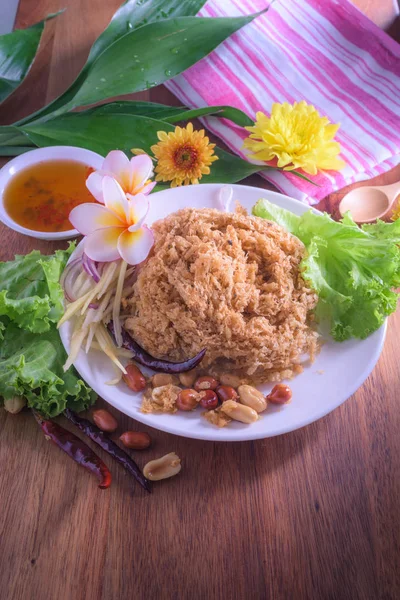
(76,449)
(98,436)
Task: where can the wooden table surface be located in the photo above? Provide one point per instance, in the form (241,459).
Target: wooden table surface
(313,514)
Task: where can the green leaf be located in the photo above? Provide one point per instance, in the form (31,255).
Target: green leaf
(302,176)
(353,270)
(170,114)
(104,132)
(224,112)
(135,107)
(10,136)
(151,55)
(31,366)
(230,168)
(17,51)
(131,15)
(100,133)
(134,14)
(30,294)
(14,150)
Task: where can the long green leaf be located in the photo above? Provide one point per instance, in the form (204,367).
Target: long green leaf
(130,16)
(14,150)
(102,133)
(230,168)
(151,55)
(11,136)
(135,107)
(171,114)
(227,112)
(136,13)
(17,51)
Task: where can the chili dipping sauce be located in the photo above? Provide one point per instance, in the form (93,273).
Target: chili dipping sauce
(41,196)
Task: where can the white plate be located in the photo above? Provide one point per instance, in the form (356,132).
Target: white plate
(336,374)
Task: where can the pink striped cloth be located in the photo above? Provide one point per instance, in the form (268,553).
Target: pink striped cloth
(325,52)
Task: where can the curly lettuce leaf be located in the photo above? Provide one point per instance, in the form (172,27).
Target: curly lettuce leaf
(31,366)
(272,212)
(30,293)
(353,269)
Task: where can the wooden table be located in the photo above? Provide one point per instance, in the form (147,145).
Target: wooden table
(313,514)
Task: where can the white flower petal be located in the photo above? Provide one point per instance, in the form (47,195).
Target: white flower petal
(88,217)
(134,246)
(93,184)
(139,207)
(141,168)
(148,187)
(115,199)
(102,245)
(116,163)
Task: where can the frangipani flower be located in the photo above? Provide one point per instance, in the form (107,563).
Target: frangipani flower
(116,229)
(297,136)
(132,175)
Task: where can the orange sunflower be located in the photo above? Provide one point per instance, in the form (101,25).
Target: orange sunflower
(183,156)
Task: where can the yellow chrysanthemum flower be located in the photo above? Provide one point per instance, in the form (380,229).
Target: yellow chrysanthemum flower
(297,136)
(183,156)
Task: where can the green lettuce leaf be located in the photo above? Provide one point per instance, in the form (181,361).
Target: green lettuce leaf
(353,269)
(272,212)
(30,293)
(31,352)
(31,366)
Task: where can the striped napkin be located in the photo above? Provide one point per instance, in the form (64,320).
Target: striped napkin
(325,52)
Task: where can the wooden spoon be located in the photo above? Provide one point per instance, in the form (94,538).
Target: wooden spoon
(366,204)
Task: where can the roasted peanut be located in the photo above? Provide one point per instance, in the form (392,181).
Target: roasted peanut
(209,399)
(188,378)
(105,420)
(15,404)
(226,392)
(137,440)
(205,383)
(280,394)
(239,412)
(187,399)
(230,379)
(162,468)
(160,379)
(251,396)
(134,378)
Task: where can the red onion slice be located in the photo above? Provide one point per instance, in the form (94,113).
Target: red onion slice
(68,278)
(144,358)
(90,267)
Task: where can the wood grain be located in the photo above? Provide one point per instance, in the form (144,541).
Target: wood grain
(313,514)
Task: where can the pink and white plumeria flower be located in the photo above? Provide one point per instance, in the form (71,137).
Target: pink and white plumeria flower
(132,175)
(114,230)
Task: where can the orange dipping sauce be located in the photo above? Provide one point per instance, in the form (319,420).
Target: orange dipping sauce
(41,196)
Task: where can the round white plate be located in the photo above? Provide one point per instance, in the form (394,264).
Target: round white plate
(336,374)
